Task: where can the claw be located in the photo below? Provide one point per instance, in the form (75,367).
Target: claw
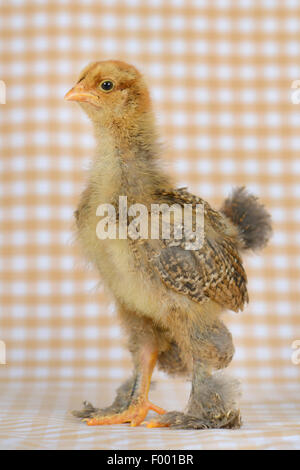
(157,424)
(134,415)
(157,409)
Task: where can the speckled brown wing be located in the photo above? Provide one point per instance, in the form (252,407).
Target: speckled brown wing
(215,271)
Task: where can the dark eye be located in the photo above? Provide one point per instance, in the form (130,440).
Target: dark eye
(107,85)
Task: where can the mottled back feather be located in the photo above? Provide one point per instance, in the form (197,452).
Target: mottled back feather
(214,271)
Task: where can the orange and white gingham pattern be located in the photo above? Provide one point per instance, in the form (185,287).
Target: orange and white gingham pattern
(35,416)
(220,73)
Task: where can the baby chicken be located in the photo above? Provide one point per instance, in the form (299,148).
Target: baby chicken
(169,298)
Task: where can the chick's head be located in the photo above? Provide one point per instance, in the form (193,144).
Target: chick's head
(109,91)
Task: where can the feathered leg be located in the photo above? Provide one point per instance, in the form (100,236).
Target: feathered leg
(212,404)
(132,403)
(140,404)
(121,402)
(213,398)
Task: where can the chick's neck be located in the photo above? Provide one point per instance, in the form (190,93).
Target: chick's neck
(126,160)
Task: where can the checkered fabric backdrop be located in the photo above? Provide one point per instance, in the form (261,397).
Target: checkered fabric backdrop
(220,73)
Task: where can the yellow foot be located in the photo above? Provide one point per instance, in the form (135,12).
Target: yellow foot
(135,415)
(157,424)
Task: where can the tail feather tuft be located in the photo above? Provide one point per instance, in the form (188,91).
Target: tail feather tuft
(250,216)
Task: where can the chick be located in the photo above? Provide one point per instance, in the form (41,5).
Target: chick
(169,298)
